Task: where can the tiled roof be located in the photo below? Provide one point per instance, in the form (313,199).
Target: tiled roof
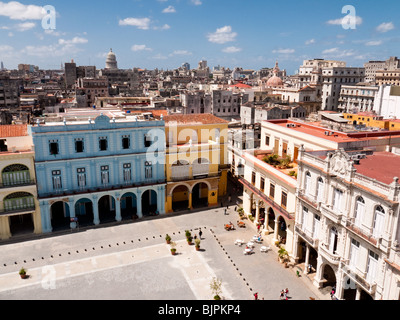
(8,131)
(192,119)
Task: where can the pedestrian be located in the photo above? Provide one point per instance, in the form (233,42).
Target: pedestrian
(258,227)
(282,295)
(256,296)
(225,212)
(286,293)
(200,234)
(229,198)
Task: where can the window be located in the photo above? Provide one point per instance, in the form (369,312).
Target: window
(79,146)
(103,144)
(372,266)
(307,183)
(333,240)
(360,209)
(253,178)
(337,200)
(272,191)
(105,175)
(148,141)
(320,190)
(53,146)
(127,173)
(316,226)
(81,175)
(304,219)
(379,221)
(3,145)
(284,199)
(126,142)
(148,170)
(262,184)
(57,182)
(354,249)
(267,139)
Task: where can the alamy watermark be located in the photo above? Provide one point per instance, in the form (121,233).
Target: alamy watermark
(49,19)
(350,20)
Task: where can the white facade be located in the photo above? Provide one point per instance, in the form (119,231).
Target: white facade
(387,102)
(357,98)
(351,221)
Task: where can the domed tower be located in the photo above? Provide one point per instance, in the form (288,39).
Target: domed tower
(275,81)
(111,62)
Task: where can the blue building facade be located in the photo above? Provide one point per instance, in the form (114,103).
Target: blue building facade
(100,170)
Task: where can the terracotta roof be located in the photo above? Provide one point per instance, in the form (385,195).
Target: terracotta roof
(8,131)
(194,119)
(241,85)
(382,166)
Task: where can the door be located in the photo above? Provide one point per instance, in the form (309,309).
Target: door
(372,266)
(276,147)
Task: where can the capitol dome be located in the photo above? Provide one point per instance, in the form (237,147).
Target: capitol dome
(275,81)
(111,61)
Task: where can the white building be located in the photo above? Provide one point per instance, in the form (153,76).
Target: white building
(387,102)
(358,98)
(347,218)
(371,67)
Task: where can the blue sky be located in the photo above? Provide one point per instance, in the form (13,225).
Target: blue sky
(164,34)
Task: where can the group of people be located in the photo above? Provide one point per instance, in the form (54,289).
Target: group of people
(284,294)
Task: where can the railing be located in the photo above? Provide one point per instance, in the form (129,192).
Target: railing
(361,231)
(13,184)
(306,236)
(359,277)
(330,256)
(372,184)
(331,212)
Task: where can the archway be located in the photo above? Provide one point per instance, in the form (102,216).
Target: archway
(271,218)
(106,209)
(329,276)
(128,205)
(149,203)
(180,198)
(282,229)
(84,211)
(15,174)
(60,215)
(21,224)
(200,195)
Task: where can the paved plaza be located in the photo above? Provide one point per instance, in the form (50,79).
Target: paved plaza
(133,262)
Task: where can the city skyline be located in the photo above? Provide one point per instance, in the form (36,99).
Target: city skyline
(164,34)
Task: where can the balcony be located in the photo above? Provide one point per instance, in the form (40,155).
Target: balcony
(306,235)
(331,212)
(361,231)
(360,278)
(333,258)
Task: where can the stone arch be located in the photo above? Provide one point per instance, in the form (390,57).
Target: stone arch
(200,193)
(129,204)
(180,195)
(84,211)
(106,205)
(60,215)
(149,202)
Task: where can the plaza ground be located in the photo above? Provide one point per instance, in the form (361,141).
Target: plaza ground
(133,262)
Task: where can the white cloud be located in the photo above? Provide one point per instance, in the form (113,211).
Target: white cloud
(75,40)
(181,53)
(169,9)
(140,23)
(337,53)
(222,35)
(140,47)
(284,51)
(344,20)
(385,27)
(374,43)
(332,50)
(311,41)
(232,49)
(18,11)
(164,27)
(159,56)
(25,26)
(197,2)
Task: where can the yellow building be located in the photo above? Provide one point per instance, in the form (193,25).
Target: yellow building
(19,207)
(196,161)
(373,121)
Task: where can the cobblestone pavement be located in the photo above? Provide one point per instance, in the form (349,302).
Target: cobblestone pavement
(133,262)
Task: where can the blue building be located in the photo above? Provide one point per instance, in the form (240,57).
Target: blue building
(101,170)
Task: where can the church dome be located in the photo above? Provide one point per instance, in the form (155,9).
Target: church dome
(275,81)
(111,61)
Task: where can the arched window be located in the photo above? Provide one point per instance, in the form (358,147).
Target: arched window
(379,220)
(15,174)
(359,211)
(19,201)
(307,183)
(320,190)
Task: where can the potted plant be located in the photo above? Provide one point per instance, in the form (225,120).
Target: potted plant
(283,255)
(215,286)
(22,273)
(173,248)
(168,239)
(197,244)
(189,237)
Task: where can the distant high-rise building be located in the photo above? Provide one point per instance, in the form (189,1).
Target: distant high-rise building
(111,62)
(70,74)
(2,66)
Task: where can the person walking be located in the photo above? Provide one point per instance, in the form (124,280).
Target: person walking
(200,234)
(256,296)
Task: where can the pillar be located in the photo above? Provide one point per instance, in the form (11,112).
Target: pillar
(45,213)
(72,213)
(118,216)
(358,293)
(139,204)
(266,223)
(307,260)
(276,229)
(257,218)
(190,207)
(95,203)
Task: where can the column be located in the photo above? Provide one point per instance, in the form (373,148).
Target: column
(46,221)
(276,229)
(257,212)
(266,222)
(307,262)
(118,216)
(72,213)
(95,205)
(190,207)
(139,203)
(358,293)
